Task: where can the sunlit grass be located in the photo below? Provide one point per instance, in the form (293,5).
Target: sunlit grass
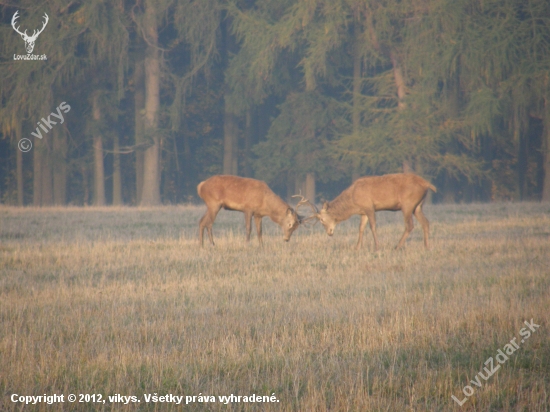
(123,301)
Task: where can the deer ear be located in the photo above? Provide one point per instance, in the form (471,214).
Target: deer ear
(325,206)
(289,212)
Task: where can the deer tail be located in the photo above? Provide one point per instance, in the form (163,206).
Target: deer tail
(199,189)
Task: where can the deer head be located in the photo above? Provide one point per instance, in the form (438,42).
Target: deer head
(290,223)
(327,220)
(29,40)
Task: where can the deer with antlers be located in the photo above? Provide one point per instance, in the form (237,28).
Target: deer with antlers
(29,40)
(367,195)
(252,197)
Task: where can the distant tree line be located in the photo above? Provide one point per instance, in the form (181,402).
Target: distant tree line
(305,94)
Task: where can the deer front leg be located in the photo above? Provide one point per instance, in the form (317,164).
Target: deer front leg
(362,225)
(372,222)
(248,223)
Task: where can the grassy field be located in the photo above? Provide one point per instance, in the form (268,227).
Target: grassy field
(122,301)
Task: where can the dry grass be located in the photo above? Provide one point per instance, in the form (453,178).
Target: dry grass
(122,301)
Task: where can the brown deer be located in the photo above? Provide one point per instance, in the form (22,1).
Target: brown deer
(367,195)
(252,197)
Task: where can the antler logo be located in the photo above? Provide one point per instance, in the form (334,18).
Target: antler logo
(29,40)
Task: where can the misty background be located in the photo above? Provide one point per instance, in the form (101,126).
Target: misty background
(306,95)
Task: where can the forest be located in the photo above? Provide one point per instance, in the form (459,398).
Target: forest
(134,102)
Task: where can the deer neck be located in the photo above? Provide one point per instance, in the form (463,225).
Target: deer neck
(277,210)
(342,207)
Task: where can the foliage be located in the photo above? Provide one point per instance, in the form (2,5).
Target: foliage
(458,90)
(297,140)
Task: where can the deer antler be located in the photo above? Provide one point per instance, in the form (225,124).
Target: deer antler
(24,34)
(46,20)
(304,201)
(15,17)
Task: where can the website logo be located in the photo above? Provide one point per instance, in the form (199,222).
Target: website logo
(29,40)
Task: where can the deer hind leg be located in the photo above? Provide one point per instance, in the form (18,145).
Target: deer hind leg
(258,222)
(362,225)
(248,223)
(201,228)
(423,222)
(206,222)
(409,226)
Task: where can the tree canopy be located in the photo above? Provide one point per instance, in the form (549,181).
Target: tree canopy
(165,93)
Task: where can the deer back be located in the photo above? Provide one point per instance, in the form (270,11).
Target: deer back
(389,191)
(242,194)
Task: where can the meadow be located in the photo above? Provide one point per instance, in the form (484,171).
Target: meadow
(122,301)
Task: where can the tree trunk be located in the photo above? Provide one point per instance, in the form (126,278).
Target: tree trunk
(42,179)
(401,92)
(521,139)
(99,171)
(356,111)
(310,187)
(487,151)
(291,188)
(187,162)
(117,178)
(47,181)
(248,136)
(37,174)
(60,169)
(99,175)
(19,160)
(151,163)
(299,185)
(230,143)
(306,186)
(139,106)
(230,128)
(546,154)
(85,184)
(399,80)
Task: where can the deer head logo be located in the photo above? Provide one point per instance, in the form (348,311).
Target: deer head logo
(29,40)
